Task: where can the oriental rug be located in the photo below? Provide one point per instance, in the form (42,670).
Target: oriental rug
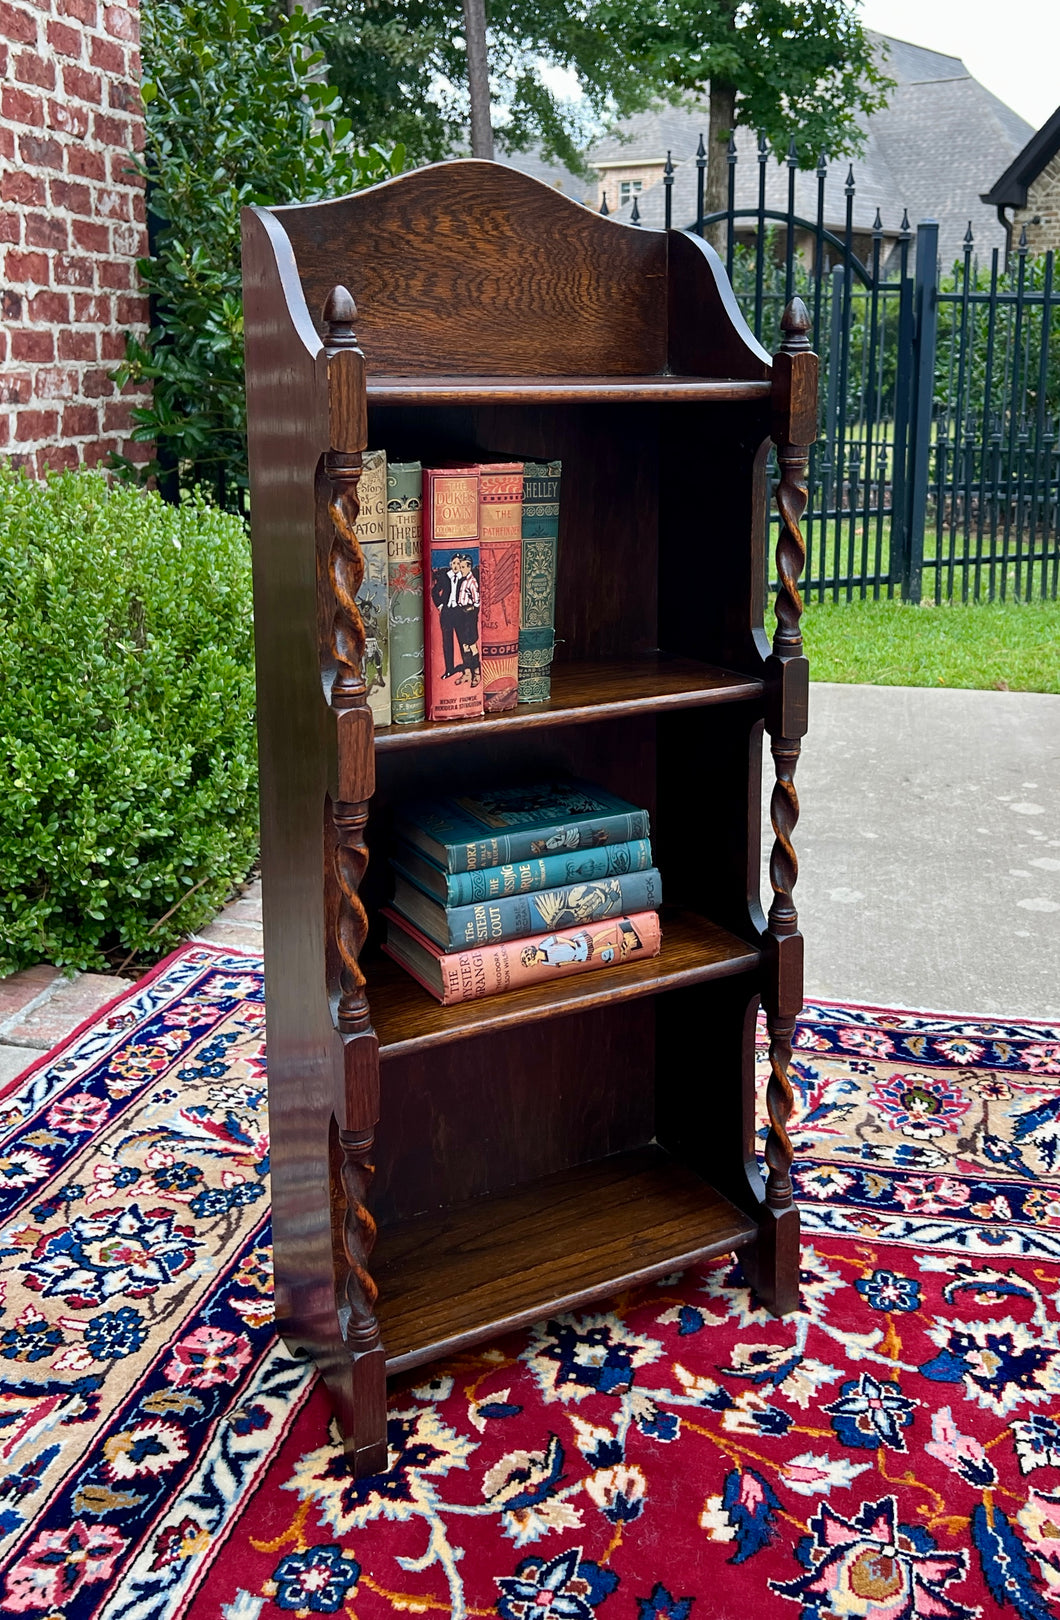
(891,1451)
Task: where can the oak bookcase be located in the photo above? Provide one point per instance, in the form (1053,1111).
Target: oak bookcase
(442,1175)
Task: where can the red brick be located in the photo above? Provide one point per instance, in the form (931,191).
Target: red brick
(112,132)
(106,55)
(73,270)
(132,311)
(85,86)
(32,343)
(111,204)
(18,24)
(36,425)
(56,458)
(96,384)
(90,236)
(11,305)
(21,266)
(33,69)
(112,345)
(70,117)
(18,107)
(116,273)
(134,66)
(137,453)
(55,383)
(130,241)
(95,308)
(65,40)
(89,165)
(20,462)
(4,54)
(121,24)
(79,420)
(139,208)
(18,187)
(16,389)
(9,227)
(50,306)
(45,230)
(47,154)
(85,11)
(124,97)
(7,144)
(117,417)
(73,196)
(75,345)
(5,429)
(98,454)
(123,168)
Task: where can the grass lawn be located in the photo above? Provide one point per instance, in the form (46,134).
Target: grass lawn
(1009,646)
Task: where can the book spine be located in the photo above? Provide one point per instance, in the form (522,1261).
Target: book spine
(545,872)
(537,616)
(574,906)
(469,975)
(404,546)
(451,599)
(622,828)
(500,538)
(372,596)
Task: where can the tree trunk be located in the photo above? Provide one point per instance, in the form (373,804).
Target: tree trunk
(722,123)
(478,78)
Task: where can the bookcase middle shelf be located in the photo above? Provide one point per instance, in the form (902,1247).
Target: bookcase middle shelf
(407,1020)
(593,691)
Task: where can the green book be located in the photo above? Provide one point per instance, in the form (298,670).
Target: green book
(404,544)
(537,618)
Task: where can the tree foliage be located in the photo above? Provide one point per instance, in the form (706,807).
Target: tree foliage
(237,112)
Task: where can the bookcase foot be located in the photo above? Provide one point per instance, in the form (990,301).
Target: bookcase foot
(357,1386)
(771,1263)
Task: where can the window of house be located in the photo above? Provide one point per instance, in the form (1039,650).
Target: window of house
(628,189)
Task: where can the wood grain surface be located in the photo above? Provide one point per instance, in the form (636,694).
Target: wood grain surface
(408,1019)
(477,1270)
(389,390)
(592,690)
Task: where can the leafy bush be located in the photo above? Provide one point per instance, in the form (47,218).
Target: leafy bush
(128,784)
(236,113)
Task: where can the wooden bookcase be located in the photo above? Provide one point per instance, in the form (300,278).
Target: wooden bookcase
(442,1175)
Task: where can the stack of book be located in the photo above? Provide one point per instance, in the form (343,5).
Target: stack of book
(507,888)
(459,590)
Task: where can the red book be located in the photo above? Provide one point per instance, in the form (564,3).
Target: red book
(487,970)
(500,537)
(452,599)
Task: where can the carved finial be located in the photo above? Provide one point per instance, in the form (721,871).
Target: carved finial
(795,325)
(340,312)
(634,218)
(603,205)
(906,229)
(877,224)
(701,153)
(849,188)
(793,156)
(822,164)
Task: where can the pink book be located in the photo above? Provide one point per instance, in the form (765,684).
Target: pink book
(487,970)
(452,586)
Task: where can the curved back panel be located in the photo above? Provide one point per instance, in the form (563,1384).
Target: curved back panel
(473,268)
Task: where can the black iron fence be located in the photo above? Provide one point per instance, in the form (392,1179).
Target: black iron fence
(937,466)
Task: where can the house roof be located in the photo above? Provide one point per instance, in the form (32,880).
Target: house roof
(927,151)
(1011,190)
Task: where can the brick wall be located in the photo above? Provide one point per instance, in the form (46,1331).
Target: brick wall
(71,227)
(1042,213)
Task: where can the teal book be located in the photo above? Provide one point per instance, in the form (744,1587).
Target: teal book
(495,827)
(521,915)
(404,557)
(537,613)
(540,872)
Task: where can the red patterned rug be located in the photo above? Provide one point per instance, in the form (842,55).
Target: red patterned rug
(892,1451)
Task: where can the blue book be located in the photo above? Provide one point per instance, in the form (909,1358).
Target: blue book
(522,915)
(502,825)
(539,872)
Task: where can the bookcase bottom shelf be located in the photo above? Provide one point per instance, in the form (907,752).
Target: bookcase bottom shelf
(450,1280)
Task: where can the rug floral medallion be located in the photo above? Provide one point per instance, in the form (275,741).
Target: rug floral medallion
(889,1452)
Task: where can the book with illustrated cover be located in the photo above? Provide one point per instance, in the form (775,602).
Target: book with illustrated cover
(372,596)
(452,593)
(404,547)
(496,826)
(537,618)
(488,970)
(522,915)
(500,540)
(541,872)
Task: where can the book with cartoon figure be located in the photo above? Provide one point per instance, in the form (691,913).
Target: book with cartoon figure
(452,600)
(464,833)
(488,970)
(522,877)
(522,915)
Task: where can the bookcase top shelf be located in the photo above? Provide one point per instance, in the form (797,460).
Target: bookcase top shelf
(473,390)
(408,1019)
(592,691)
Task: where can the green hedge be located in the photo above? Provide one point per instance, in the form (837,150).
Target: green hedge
(128,790)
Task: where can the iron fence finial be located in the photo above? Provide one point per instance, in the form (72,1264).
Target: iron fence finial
(822,164)
(701,153)
(905,229)
(849,188)
(603,205)
(634,217)
(793,156)
(732,146)
(877,224)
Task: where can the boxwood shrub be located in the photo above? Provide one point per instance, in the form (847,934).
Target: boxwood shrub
(128,799)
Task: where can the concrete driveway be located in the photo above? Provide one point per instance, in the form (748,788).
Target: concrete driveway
(929,849)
